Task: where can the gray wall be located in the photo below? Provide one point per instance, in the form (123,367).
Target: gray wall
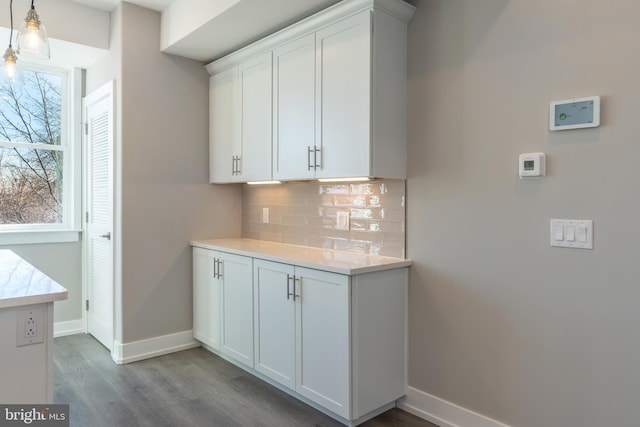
(165,199)
(500,322)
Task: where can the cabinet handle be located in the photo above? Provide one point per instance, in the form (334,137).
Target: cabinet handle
(309,157)
(220,269)
(216,268)
(235,165)
(289,294)
(295,295)
(316,150)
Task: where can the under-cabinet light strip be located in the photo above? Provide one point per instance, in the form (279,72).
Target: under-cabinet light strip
(263,182)
(357,178)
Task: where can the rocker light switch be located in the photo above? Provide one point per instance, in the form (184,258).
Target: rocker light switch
(559,233)
(572,233)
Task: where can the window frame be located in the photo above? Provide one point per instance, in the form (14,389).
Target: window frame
(70,145)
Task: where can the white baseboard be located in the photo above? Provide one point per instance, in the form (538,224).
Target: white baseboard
(442,412)
(152,347)
(71,327)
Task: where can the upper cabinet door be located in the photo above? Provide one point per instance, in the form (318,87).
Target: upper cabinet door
(256,96)
(343,102)
(294,109)
(224,125)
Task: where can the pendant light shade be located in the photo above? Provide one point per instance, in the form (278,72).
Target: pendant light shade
(32,40)
(9,70)
(10,65)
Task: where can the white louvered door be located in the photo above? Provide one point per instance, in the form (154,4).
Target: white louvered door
(99,138)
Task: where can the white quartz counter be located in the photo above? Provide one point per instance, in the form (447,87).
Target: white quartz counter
(320,259)
(23,284)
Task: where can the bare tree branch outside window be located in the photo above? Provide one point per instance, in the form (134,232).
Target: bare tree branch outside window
(31,157)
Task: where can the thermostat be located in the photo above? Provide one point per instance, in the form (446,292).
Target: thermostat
(531,165)
(575,113)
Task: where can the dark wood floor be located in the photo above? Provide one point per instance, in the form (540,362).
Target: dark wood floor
(189,388)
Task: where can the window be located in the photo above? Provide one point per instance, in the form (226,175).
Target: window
(39,185)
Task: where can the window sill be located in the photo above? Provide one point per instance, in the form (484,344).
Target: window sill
(36,237)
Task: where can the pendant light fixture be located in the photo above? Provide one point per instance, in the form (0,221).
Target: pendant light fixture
(10,59)
(32,40)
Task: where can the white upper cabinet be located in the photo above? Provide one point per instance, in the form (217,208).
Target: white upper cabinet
(240,122)
(255,87)
(337,97)
(294,107)
(343,102)
(224,125)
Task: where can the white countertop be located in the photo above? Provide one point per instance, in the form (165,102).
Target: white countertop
(23,284)
(342,262)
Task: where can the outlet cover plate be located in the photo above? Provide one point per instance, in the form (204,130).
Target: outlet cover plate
(342,220)
(31,327)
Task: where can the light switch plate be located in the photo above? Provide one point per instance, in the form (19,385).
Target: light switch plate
(572,233)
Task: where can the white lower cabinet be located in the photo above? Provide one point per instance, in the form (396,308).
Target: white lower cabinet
(302,331)
(223,303)
(335,341)
(206,298)
(275,322)
(236,339)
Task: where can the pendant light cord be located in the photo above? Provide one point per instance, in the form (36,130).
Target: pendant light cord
(11,14)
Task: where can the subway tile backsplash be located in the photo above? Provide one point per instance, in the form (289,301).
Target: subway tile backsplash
(305,214)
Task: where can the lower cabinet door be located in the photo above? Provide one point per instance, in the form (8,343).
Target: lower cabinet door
(206,299)
(274,321)
(237,307)
(322,339)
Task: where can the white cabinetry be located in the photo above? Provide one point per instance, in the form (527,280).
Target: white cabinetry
(255,85)
(224,126)
(322,339)
(237,307)
(223,303)
(275,322)
(343,102)
(361,85)
(339,95)
(206,298)
(294,108)
(240,122)
(302,331)
(335,341)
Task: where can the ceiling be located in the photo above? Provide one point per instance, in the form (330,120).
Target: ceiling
(235,24)
(109,5)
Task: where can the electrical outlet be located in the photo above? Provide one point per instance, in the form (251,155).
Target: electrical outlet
(265,215)
(31,326)
(342,220)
